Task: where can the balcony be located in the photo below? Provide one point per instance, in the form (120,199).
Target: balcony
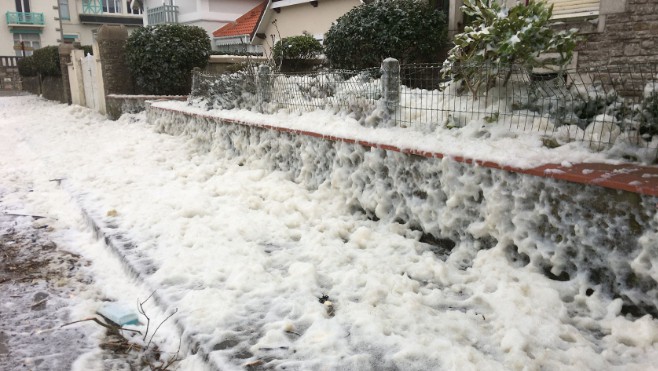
(162,14)
(18,19)
(110,12)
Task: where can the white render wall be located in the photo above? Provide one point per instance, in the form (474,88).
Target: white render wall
(49,34)
(294,20)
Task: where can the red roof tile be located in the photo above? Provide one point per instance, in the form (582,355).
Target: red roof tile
(245,25)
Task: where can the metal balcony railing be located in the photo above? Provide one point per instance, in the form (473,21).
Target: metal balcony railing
(25,18)
(162,14)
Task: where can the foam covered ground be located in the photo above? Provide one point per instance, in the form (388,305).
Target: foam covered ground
(273,273)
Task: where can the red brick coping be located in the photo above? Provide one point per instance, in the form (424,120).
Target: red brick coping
(625,177)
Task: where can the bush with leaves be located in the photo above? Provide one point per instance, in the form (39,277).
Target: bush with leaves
(303,47)
(88,49)
(161,57)
(500,37)
(408,30)
(27,67)
(46,61)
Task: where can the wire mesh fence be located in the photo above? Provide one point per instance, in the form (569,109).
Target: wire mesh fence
(337,90)
(602,106)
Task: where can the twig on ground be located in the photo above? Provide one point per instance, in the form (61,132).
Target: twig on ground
(140,309)
(109,327)
(33,216)
(157,328)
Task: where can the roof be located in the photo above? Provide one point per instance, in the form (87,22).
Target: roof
(245,25)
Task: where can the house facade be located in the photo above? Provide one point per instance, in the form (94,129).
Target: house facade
(31,24)
(235,37)
(285,18)
(207,14)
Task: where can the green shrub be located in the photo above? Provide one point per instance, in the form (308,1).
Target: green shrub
(88,49)
(46,61)
(500,37)
(296,48)
(26,67)
(409,30)
(162,57)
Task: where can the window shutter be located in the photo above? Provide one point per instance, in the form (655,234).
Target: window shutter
(574,8)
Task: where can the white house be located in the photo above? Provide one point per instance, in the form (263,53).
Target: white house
(207,14)
(31,24)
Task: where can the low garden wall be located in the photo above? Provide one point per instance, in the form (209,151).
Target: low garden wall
(602,237)
(118,104)
(31,84)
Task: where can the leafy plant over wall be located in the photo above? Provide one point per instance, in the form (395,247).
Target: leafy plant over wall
(27,67)
(500,37)
(409,30)
(44,61)
(297,49)
(161,57)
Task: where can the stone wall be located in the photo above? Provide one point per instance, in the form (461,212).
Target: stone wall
(118,104)
(52,89)
(64,60)
(116,74)
(31,84)
(9,77)
(602,238)
(622,38)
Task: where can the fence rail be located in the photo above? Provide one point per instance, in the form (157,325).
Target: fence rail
(604,107)
(9,61)
(25,18)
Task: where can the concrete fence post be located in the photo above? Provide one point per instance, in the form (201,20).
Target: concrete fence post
(195,89)
(391,84)
(264,85)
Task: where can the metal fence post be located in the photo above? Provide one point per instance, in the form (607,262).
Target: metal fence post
(264,85)
(391,85)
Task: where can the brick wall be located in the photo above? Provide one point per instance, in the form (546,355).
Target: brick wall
(630,37)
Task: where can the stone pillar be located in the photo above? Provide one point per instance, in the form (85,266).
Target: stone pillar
(110,53)
(391,84)
(64,60)
(264,85)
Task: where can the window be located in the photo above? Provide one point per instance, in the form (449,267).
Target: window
(70,38)
(134,7)
(574,8)
(112,6)
(26,43)
(23,6)
(64,12)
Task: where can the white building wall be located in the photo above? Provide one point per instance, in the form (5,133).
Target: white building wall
(294,20)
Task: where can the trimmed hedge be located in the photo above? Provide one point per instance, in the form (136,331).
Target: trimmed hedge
(410,30)
(297,52)
(27,67)
(297,47)
(44,61)
(161,57)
